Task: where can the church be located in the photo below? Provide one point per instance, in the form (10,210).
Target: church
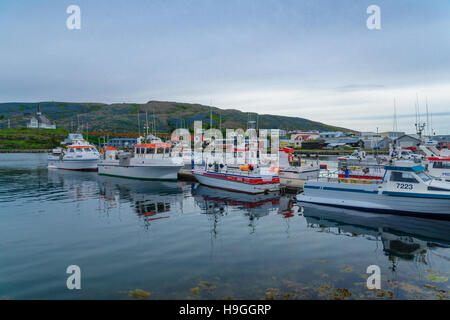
(39,120)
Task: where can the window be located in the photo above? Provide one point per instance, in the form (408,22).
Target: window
(160,150)
(424,176)
(403,177)
(138,150)
(71,150)
(79,150)
(441,165)
(87,149)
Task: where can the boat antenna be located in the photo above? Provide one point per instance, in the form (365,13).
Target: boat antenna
(395,128)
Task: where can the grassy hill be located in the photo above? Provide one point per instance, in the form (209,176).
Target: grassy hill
(30,139)
(168,115)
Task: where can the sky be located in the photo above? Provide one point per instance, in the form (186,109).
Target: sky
(314,59)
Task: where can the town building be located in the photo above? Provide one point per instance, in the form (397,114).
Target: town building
(298,137)
(407,141)
(331,134)
(122,143)
(39,120)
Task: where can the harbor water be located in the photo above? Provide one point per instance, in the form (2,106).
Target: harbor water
(179,240)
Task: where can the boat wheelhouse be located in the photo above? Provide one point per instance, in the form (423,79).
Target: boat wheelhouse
(405,189)
(293,167)
(149,161)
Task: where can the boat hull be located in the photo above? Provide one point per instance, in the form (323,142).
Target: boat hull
(77,165)
(251,188)
(300,175)
(368,198)
(169,173)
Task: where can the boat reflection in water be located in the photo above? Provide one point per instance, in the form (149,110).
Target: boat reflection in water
(404,238)
(74,185)
(219,202)
(151,200)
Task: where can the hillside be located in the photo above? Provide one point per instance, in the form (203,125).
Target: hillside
(30,139)
(168,115)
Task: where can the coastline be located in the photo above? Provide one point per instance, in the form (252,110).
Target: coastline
(25,150)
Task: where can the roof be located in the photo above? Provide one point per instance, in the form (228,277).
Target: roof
(153,145)
(123,139)
(442,138)
(408,136)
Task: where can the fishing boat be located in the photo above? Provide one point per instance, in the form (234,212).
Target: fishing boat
(360,174)
(148,161)
(439,167)
(79,155)
(294,168)
(406,189)
(252,179)
(437,161)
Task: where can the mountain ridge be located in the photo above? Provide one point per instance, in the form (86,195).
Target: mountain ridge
(168,116)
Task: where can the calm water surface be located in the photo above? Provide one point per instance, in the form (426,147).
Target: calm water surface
(183,241)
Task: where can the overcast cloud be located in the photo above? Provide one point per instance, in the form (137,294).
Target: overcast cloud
(314,59)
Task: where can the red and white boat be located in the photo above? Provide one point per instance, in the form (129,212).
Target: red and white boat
(252,179)
(437,161)
(439,167)
(361,174)
(80,155)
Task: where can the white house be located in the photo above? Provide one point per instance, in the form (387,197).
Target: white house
(298,137)
(39,120)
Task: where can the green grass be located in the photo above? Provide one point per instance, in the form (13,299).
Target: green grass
(28,139)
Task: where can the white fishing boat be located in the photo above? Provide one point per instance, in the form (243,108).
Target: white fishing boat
(405,189)
(439,167)
(79,155)
(437,161)
(294,168)
(148,161)
(249,178)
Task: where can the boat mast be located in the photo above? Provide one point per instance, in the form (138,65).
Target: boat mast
(139,123)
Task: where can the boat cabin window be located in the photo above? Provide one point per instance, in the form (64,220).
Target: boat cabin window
(441,165)
(87,149)
(160,150)
(78,149)
(403,177)
(150,150)
(71,150)
(424,176)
